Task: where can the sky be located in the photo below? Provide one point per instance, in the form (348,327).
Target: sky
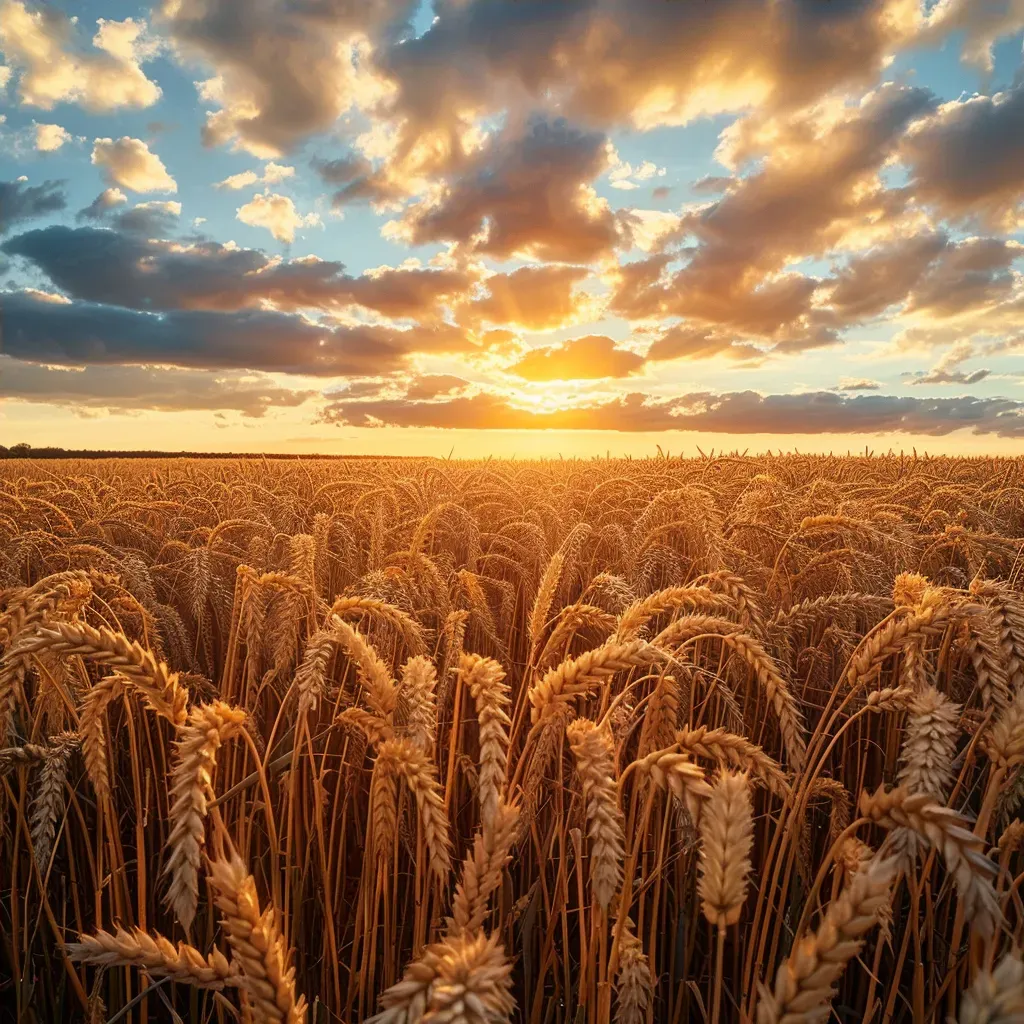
(512,227)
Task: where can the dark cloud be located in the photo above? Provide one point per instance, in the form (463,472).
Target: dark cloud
(951,377)
(109,199)
(526,192)
(742,412)
(151,219)
(883,276)
(661,192)
(971,274)
(968,157)
(535,298)
(131,388)
(343,169)
(84,333)
(590,358)
(119,269)
(20,201)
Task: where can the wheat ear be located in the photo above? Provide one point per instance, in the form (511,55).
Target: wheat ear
(634,986)
(380,688)
(580,675)
(595,762)
(481,871)
(195,759)
(419,679)
(804,983)
(157,956)
(160,687)
(726,833)
(259,947)
(420,774)
(48,801)
(673,770)
(996,997)
(464,980)
(732,750)
(485,679)
(944,829)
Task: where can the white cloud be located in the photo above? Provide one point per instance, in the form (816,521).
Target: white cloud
(273,174)
(625,176)
(128,162)
(54,69)
(5,76)
(196,221)
(238,181)
(277,214)
(50,137)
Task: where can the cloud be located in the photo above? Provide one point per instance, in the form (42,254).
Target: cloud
(129,163)
(281,72)
(620,62)
(430,386)
(883,276)
(686,342)
(343,169)
(84,333)
(55,68)
(590,358)
(133,388)
(527,193)
(945,370)
(534,298)
(816,190)
(981,25)
(857,384)
(272,174)
(239,181)
(740,412)
(50,137)
(971,274)
(626,177)
(151,219)
(967,158)
(277,214)
(107,200)
(109,267)
(19,201)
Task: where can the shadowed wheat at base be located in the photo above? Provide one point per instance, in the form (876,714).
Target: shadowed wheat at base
(513,742)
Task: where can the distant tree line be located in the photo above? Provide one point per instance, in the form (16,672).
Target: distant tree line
(26,451)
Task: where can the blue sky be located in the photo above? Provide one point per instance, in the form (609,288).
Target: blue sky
(512,227)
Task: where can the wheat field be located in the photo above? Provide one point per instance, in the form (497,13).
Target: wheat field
(560,742)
